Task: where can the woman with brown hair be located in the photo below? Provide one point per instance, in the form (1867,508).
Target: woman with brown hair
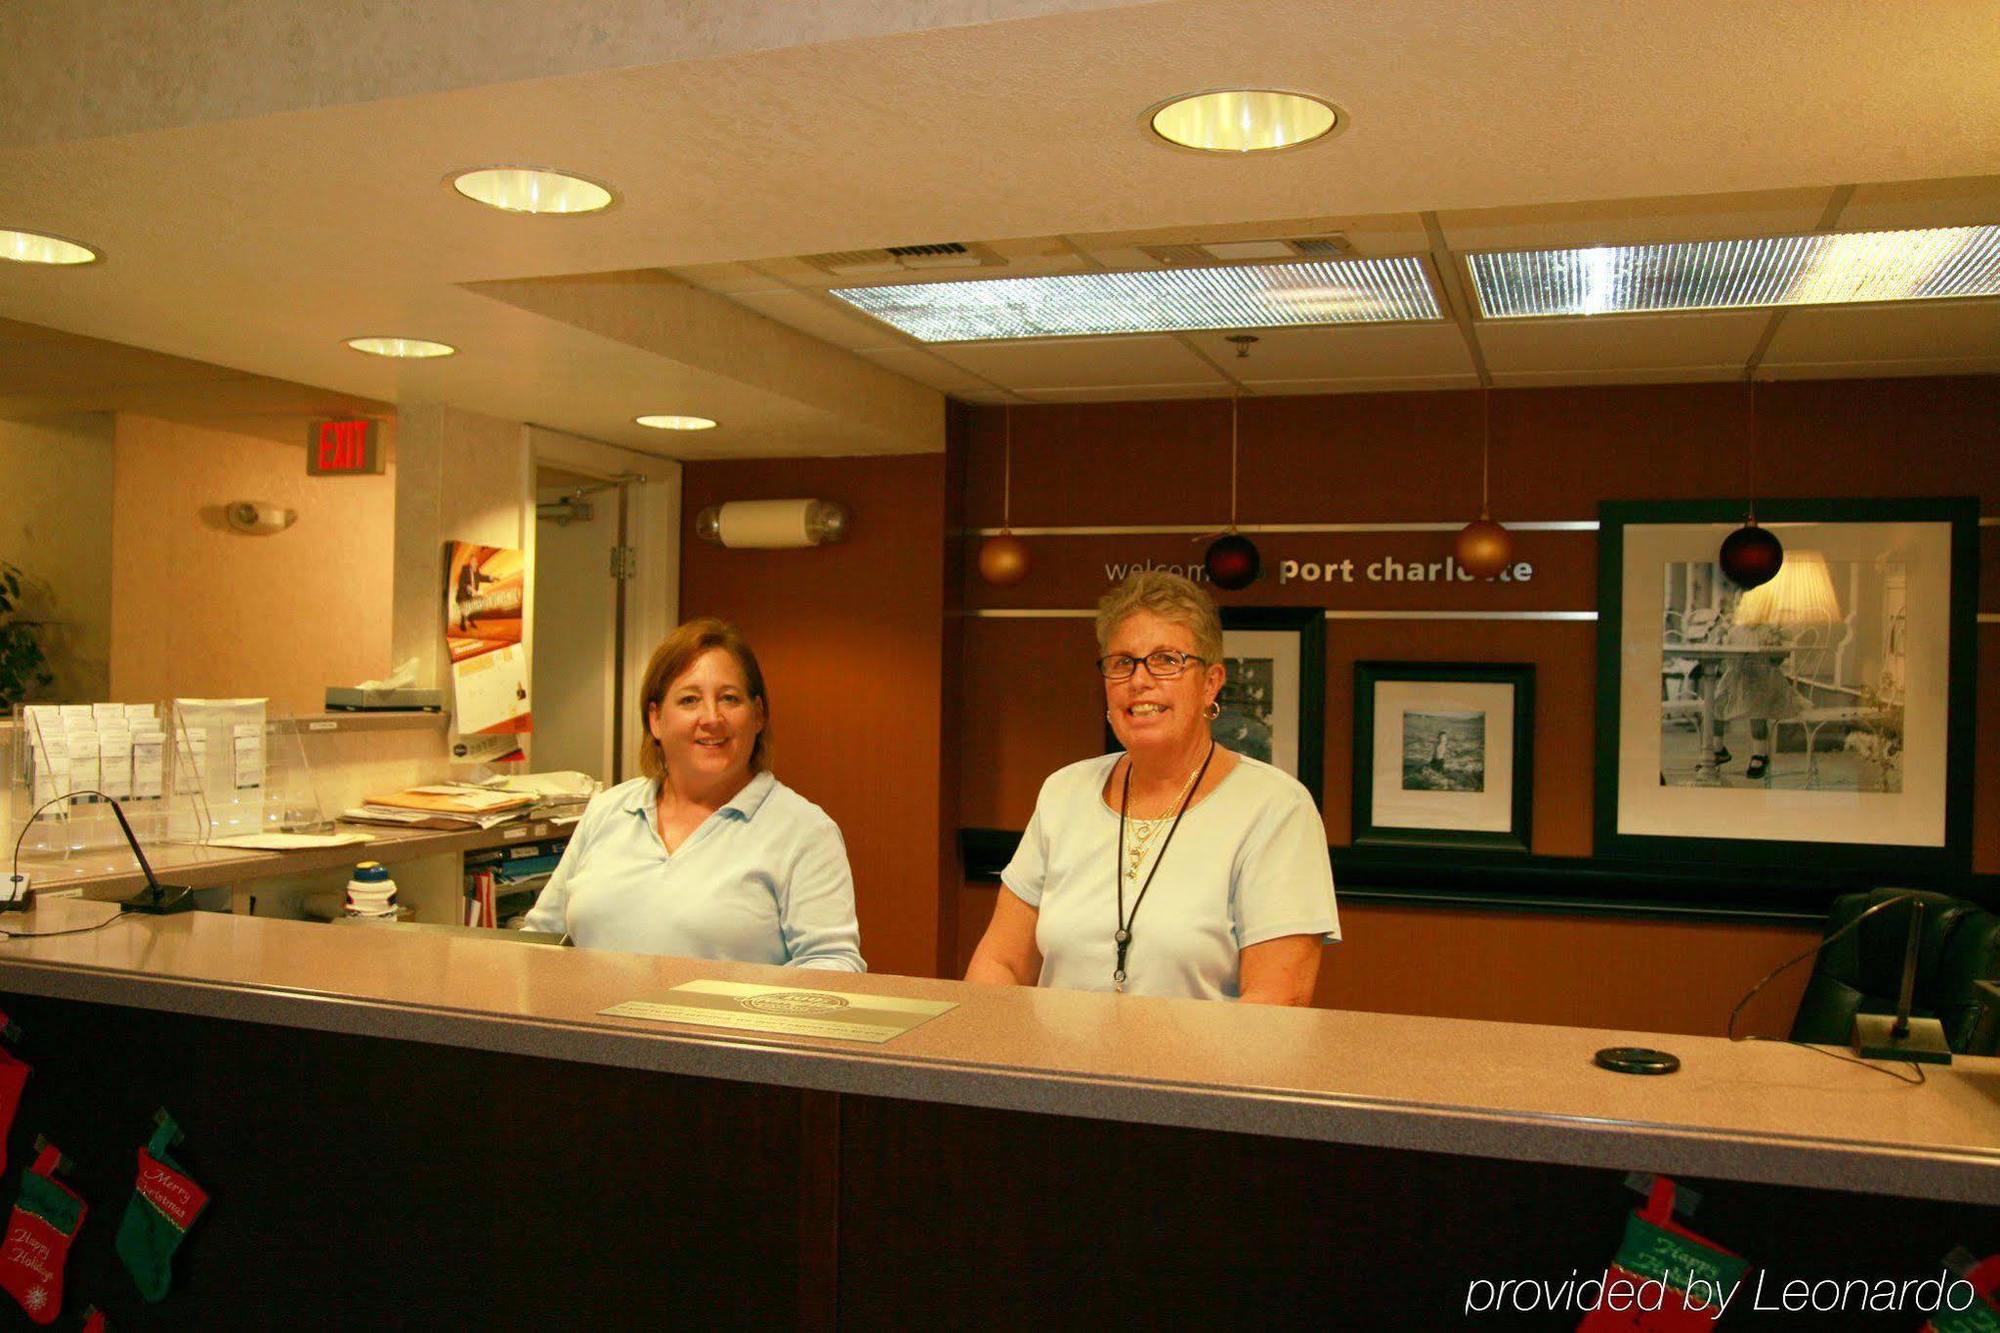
(707,855)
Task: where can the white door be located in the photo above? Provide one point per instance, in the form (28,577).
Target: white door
(576,624)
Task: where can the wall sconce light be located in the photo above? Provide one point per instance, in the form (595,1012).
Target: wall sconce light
(772,525)
(258,517)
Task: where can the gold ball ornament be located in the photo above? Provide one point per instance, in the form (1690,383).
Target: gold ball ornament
(1484,548)
(1003,560)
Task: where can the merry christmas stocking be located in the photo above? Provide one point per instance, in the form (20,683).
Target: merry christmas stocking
(46,1219)
(164,1205)
(1667,1279)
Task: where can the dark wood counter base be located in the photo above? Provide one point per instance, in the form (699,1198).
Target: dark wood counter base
(365,1182)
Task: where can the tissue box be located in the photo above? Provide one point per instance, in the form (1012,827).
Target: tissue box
(355,699)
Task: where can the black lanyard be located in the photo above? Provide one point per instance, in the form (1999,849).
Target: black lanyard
(1123,938)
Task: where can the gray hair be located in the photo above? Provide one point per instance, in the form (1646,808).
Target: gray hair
(1168,596)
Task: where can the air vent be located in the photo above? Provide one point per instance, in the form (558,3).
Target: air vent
(904,259)
(1250,252)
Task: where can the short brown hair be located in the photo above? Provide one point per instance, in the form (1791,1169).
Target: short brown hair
(1168,596)
(676,653)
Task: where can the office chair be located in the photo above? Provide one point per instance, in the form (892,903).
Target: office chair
(1862,971)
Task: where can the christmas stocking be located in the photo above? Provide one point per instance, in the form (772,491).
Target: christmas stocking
(46,1219)
(1983,1315)
(164,1205)
(13,1078)
(1665,1279)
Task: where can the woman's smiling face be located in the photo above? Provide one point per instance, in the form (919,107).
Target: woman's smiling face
(707,723)
(1148,713)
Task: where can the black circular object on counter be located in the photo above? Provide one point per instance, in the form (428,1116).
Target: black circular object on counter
(1637,1060)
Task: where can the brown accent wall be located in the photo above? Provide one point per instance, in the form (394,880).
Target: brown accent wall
(860,641)
(1415,458)
(851,640)
(1404,458)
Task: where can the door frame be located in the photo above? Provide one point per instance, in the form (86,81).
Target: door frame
(652,530)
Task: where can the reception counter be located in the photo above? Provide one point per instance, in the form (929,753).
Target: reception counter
(443,1119)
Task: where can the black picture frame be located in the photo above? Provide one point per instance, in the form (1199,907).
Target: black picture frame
(1621,645)
(1518,801)
(1236,729)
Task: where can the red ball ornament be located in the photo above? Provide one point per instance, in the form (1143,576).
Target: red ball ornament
(1232,562)
(1003,560)
(1751,556)
(1484,548)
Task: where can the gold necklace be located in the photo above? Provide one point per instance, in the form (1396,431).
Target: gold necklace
(1142,830)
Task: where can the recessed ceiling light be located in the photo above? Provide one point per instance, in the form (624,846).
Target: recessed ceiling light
(1243,120)
(1825,268)
(401,347)
(1238,296)
(31,247)
(531,190)
(676,423)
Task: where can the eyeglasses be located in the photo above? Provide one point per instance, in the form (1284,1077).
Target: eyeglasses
(1163,665)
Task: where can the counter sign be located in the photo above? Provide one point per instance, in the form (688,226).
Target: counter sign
(342,448)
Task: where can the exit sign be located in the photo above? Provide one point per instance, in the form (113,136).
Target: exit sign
(342,448)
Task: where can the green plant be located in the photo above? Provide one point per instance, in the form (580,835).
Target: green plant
(23,664)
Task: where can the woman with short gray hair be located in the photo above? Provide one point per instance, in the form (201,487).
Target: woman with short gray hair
(1177,867)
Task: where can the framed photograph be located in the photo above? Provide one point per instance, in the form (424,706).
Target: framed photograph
(1822,718)
(1444,754)
(1274,697)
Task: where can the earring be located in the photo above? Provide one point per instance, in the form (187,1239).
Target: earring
(1107,715)
(1213,711)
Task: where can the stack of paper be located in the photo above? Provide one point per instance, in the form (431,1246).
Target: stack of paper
(447,806)
(560,797)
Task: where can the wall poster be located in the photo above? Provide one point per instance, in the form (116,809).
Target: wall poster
(484,594)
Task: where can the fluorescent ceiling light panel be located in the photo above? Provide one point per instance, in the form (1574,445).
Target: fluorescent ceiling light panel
(1261,296)
(1828,268)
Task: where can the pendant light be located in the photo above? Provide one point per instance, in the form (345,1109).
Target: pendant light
(1003,560)
(1232,561)
(1484,547)
(1751,556)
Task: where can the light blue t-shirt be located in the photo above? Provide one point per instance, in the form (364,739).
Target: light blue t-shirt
(763,880)
(1248,864)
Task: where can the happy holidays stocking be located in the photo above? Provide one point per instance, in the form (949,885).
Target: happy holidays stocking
(46,1218)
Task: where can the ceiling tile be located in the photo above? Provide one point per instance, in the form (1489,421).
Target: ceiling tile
(1349,352)
(1922,330)
(728,279)
(1656,375)
(821,316)
(926,368)
(1085,363)
(1635,221)
(1591,346)
(1965,201)
(1987,364)
(1134,393)
(1380,384)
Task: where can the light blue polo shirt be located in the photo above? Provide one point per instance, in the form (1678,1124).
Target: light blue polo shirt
(763,880)
(1248,864)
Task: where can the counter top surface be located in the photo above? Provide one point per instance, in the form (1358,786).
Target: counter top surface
(1763,1111)
(110,872)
